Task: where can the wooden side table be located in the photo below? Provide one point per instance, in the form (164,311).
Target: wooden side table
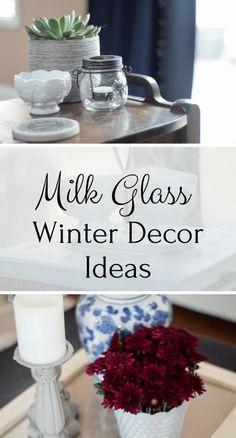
(148,120)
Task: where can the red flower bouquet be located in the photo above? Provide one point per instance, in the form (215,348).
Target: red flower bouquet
(152,370)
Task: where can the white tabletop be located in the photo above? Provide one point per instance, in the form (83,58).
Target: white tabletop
(209,266)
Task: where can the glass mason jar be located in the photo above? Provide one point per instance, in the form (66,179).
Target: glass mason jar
(102,83)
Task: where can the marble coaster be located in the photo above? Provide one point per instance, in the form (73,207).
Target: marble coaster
(46,129)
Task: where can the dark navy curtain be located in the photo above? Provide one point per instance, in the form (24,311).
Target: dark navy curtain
(155,37)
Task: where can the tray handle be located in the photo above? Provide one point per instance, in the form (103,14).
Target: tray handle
(151,88)
(180,106)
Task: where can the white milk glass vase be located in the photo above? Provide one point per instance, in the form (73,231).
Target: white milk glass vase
(160,425)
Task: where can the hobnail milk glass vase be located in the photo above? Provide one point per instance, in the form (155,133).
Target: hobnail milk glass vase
(160,425)
(99,316)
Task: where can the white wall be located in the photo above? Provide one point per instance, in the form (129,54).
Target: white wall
(222,306)
(14,42)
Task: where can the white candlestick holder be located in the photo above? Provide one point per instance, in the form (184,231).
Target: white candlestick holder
(53,414)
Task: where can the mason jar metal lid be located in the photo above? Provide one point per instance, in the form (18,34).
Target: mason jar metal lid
(103,63)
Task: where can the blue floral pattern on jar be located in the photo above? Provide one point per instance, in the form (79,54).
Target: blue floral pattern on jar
(99,316)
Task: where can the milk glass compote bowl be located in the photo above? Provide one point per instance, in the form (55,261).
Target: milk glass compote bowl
(43,90)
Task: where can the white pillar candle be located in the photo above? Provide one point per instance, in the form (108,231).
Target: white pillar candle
(40,328)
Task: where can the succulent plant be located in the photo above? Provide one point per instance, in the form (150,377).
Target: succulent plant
(67,27)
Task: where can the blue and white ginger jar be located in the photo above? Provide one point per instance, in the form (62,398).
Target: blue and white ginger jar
(99,316)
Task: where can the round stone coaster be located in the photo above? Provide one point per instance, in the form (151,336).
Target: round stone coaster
(46,129)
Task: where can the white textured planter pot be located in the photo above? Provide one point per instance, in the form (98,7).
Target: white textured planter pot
(63,55)
(160,425)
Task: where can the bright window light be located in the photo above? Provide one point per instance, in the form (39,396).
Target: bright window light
(7,8)
(210,13)
(215,69)
(9,13)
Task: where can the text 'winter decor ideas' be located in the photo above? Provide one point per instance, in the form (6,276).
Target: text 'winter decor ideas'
(147,378)
(124,220)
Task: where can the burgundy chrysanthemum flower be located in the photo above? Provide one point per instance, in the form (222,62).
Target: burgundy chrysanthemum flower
(197,385)
(118,360)
(138,343)
(108,400)
(153,369)
(129,398)
(115,343)
(97,367)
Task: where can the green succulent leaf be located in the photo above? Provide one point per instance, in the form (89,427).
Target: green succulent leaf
(66,27)
(78,26)
(97,31)
(64,23)
(67,34)
(45,22)
(86,19)
(36,32)
(72,34)
(55,27)
(89,34)
(40,24)
(28,29)
(77,19)
(30,32)
(87,30)
(73,16)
